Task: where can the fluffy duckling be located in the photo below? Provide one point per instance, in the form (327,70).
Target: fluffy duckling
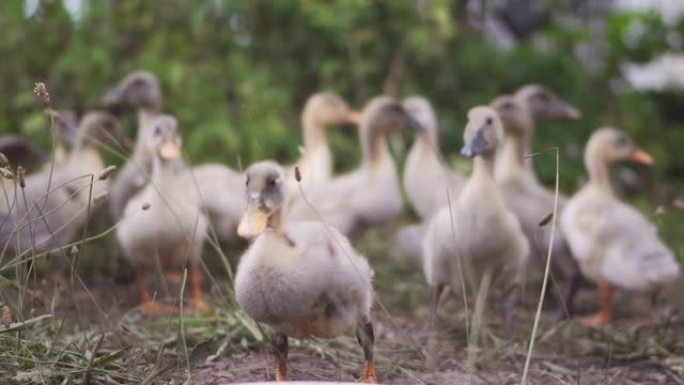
(163,226)
(613,243)
(477,232)
(370,195)
(426,179)
(528,199)
(53,205)
(303,279)
(316,163)
(139,90)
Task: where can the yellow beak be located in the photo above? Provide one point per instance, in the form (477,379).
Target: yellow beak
(253,221)
(641,156)
(170,150)
(354,117)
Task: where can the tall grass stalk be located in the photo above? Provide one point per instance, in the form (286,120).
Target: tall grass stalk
(547,269)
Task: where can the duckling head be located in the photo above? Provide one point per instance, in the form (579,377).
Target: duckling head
(138,89)
(611,145)
(163,139)
(515,118)
(483,132)
(420,109)
(545,104)
(325,108)
(98,128)
(265,196)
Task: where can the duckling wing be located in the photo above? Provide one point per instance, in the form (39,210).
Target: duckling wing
(222,197)
(635,257)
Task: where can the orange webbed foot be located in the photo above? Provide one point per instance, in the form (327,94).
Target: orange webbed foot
(157,309)
(595,320)
(368,375)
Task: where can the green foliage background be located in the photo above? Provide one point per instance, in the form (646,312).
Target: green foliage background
(236,73)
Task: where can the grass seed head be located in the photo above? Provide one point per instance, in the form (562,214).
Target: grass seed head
(41,91)
(74,251)
(298,174)
(106,172)
(4,162)
(21,176)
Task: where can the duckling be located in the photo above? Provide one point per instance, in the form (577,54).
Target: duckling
(53,205)
(525,196)
(370,195)
(303,279)
(221,187)
(316,163)
(19,151)
(613,243)
(139,90)
(163,226)
(477,232)
(426,179)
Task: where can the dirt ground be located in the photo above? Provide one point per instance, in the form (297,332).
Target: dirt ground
(628,352)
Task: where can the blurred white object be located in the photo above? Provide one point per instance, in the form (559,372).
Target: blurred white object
(665,72)
(671,10)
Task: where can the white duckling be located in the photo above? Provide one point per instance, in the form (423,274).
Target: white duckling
(163,226)
(139,90)
(525,196)
(613,243)
(426,178)
(303,279)
(370,195)
(477,232)
(316,162)
(55,203)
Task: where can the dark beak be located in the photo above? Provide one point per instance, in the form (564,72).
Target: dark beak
(475,146)
(413,124)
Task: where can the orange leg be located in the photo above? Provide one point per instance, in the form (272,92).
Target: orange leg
(147,304)
(196,304)
(366,338)
(604,315)
(280,349)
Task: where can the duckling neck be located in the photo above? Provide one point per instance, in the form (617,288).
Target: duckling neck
(599,175)
(275,221)
(374,148)
(145,116)
(511,160)
(483,166)
(165,169)
(314,134)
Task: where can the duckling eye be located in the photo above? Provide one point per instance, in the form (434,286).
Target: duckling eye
(489,121)
(543,97)
(622,141)
(247,182)
(157,131)
(272,182)
(508,106)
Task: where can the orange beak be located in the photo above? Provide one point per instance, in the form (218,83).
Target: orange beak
(353,117)
(641,156)
(170,150)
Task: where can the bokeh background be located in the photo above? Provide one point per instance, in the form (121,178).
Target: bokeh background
(236,73)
